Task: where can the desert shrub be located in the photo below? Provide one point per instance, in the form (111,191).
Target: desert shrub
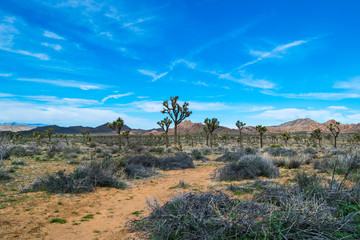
(310,150)
(18,162)
(247,167)
(179,161)
(338,151)
(139,149)
(4,175)
(146,160)
(339,164)
(308,209)
(279,162)
(18,151)
(205,150)
(198,216)
(254,187)
(221,150)
(158,150)
(275,145)
(293,162)
(250,151)
(69,150)
(197,155)
(139,171)
(92,145)
(276,152)
(230,156)
(83,179)
(74,162)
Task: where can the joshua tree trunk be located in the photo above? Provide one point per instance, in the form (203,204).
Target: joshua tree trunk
(261,141)
(211,140)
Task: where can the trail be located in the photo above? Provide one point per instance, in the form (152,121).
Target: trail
(111,208)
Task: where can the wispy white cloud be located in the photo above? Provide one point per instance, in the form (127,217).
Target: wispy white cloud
(5,74)
(40,56)
(338,107)
(320,96)
(116,96)
(49,34)
(200,83)
(353,84)
(65,83)
(64,115)
(321,115)
(63,101)
(275,52)
(56,47)
(189,64)
(145,105)
(248,80)
(152,74)
(4,95)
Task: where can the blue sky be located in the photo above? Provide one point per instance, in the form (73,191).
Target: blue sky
(87,62)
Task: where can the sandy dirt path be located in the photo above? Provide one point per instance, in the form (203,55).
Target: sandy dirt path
(107,209)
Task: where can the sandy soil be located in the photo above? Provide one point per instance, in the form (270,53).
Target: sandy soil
(28,216)
(111,208)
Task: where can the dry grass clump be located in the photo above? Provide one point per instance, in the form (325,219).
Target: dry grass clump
(83,179)
(179,161)
(309,209)
(247,167)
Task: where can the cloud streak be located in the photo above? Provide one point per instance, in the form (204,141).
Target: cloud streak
(66,83)
(115,96)
(152,74)
(273,53)
(318,96)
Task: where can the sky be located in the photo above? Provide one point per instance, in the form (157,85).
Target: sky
(88,62)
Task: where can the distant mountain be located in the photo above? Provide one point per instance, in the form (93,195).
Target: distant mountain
(75,129)
(295,126)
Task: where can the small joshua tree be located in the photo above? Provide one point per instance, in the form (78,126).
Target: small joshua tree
(317,134)
(335,131)
(176,112)
(211,125)
(207,135)
(240,126)
(116,126)
(286,137)
(165,124)
(261,130)
(49,133)
(126,135)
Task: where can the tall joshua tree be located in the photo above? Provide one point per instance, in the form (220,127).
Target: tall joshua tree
(116,126)
(165,124)
(240,126)
(317,134)
(261,130)
(335,131)
(176,112)
(211,125)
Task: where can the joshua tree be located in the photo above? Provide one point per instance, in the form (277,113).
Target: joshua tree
(211,126)
(165,124)
(49,132)
(261,130)
(85,134)
(317,134)
(240,126)
(116,126)
(176,112)
(335,131)
(126,135)
(207,135)
(286,137)
(225,137)
(273,138)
